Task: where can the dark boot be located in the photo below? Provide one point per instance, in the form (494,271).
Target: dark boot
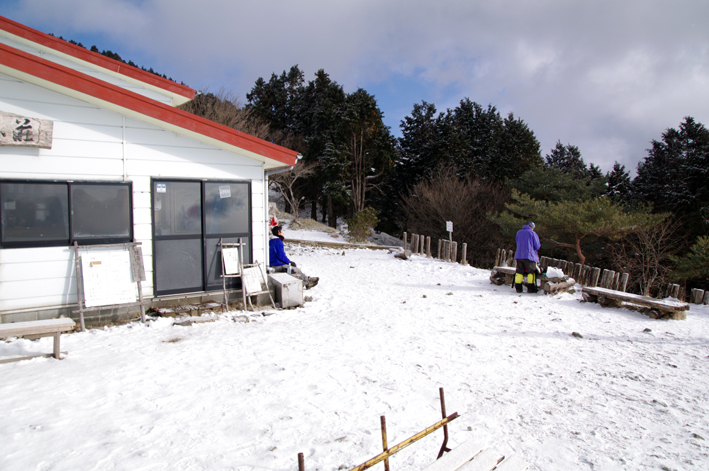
(518,287)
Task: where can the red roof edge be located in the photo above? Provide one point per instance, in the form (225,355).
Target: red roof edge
(95,58)
(85,84)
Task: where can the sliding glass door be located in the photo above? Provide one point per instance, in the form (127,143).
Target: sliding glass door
(189,219)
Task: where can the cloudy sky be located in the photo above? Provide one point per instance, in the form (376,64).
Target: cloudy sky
(607,76)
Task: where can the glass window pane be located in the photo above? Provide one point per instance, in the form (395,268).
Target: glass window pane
(226,208)
(34,212)
(100,211)
(177,208)
(178,265)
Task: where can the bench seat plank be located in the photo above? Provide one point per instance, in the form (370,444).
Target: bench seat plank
(667,305)
(48,326)
(512,463)
(53,327)
(486,460)
(457,457)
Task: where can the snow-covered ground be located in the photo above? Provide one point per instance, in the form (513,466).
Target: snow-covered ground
(380,337)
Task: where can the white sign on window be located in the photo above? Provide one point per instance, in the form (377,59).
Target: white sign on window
(225,191)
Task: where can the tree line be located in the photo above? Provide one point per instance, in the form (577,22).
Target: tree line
(486,173)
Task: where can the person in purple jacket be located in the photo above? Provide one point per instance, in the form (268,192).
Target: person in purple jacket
(527,258)
(280,262)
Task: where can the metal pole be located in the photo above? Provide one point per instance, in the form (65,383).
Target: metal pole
(301,462)
(444,448)
(385,447)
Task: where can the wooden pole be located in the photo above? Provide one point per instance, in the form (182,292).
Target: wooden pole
(79,287)
(440,242)
(594,277)
(405,242)
(623,282)
(465,254)
(454,251)
(428,246)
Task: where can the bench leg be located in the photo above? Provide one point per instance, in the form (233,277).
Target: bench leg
(57,354)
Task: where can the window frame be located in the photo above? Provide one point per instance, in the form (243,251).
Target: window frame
(70,208)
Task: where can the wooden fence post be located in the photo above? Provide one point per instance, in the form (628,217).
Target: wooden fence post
(594,277)
(697,296)
(405,242)
(454,251)
(577,272)
(464,261)
(623,282)
(440,242)
(428,246)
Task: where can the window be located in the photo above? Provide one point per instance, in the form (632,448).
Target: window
(43,214)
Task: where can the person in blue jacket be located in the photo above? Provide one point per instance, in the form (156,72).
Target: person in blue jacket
(280,262)
(527,258)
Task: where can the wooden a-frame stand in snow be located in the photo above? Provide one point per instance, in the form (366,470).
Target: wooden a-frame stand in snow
(253,278)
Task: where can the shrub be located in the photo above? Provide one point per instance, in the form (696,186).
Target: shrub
(362,224)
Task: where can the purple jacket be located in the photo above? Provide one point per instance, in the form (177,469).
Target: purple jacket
(276,253)
(527,244)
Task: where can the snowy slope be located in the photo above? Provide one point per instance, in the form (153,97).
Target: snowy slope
(380,336)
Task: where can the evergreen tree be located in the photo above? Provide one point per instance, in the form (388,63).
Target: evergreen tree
(567,159)
(427,140)
(618,183)
(277,100)
(570,224)
(370,145)
(675,174)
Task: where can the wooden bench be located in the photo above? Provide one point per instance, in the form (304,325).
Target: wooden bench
(474,456)
(35,329)
(668,308)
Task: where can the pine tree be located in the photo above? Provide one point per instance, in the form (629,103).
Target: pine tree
(571,224)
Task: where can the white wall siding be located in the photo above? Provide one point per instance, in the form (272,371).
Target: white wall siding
(37,277)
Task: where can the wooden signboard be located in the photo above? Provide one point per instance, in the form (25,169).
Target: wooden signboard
(252,279)
(107,278)
(23,131)
(231,260)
